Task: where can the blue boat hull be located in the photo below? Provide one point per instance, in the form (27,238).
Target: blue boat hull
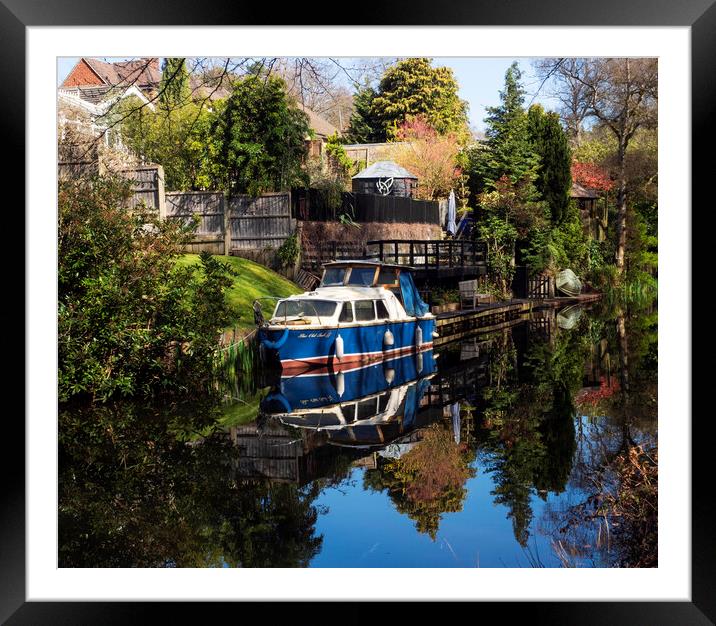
(297,348)
(315,391)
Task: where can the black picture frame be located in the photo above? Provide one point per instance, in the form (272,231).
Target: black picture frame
(16,15)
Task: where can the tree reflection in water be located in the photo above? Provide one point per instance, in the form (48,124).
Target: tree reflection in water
(428,480)
(134,493)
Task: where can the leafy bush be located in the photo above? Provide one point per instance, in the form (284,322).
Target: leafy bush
(500,237)
(288,252)
(130,322)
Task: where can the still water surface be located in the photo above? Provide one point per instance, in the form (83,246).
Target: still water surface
(511,449)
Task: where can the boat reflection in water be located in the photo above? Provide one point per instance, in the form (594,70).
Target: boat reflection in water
(364,407)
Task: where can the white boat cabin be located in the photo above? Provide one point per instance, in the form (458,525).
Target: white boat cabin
(350,293)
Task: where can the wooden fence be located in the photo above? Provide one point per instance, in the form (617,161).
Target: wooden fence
(262,222)
(226,225)
(207,209)
(148,187)
(429,255)
(316,205)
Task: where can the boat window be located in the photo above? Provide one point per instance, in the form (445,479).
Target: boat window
(364,310)
(383,402)
(382,312)
(317,419)
(333,276)
(387,276)
(346,313)
(367,409)
(305,308)
(349,412)
(362,276)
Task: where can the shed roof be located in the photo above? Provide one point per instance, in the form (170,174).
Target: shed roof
(385,169)
(582,192)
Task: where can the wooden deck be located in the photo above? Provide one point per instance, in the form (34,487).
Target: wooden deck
(453,325)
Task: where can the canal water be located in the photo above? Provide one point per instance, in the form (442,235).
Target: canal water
(526,447)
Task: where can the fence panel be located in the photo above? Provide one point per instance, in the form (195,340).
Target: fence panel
(258,223)
(147,186)
(208,207)
(315,205)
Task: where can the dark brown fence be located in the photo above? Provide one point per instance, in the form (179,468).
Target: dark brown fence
(317,205)
(540,286)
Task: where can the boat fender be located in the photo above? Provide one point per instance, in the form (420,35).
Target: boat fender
(435,334)
(389,375)
(388,339)
(281,399)
(418,336)
(340,384)
(339,347)
(419,362)
(275,345)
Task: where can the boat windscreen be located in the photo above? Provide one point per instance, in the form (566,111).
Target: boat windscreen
(305,308)
(362,276)
(333,276)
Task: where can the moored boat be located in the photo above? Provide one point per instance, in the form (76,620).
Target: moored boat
(568,283)
(362,311)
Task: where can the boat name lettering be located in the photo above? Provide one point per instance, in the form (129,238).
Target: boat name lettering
(313,335)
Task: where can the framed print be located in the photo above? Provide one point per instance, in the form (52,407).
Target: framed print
(360,506)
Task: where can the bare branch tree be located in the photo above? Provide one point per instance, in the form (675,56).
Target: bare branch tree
(621,95)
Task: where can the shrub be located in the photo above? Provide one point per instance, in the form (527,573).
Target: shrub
(288,252)
(130,322)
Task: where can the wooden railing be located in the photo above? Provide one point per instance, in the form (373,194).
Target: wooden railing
(429,254)
(317,253)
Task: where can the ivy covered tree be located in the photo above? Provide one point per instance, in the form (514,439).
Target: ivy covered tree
(549,141)
(174,88)
(258,141)
(176,137)
(414,87)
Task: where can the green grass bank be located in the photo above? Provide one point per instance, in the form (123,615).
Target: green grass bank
(253,281)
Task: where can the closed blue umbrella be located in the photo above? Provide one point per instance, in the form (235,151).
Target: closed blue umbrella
(451,226)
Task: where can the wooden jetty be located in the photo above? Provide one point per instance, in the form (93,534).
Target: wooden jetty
(453,325)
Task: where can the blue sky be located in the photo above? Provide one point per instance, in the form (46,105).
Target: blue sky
(480,81)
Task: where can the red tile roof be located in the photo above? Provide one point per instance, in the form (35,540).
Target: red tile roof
(141,72)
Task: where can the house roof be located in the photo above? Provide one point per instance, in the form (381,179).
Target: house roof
(320,126)
(102,97)
(582,192)
(208,87)
(142,72)
(385,169)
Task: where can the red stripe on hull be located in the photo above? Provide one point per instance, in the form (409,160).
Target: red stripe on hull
(327,364)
